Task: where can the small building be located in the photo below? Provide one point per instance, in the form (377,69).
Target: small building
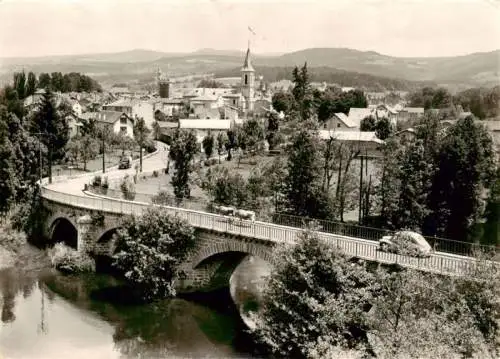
(116,122)
(356,115)
(133,108)
(410,113)
(366,142)
(341,122)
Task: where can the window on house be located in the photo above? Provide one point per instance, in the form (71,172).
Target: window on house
(338,125)
(123,120)
(324,125)
(246,79)
(123,130)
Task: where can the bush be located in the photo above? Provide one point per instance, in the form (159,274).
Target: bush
(96,181)
(150,249)
(164,198)
(67,260)
(127,187)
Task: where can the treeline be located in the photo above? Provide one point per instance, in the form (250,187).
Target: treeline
(26,85)
(483,103)
(343,78)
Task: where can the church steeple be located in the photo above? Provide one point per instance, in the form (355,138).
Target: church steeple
(247,65)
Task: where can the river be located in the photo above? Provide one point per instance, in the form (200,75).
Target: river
(49,315)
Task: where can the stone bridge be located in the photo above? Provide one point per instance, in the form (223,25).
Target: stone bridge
(209,267)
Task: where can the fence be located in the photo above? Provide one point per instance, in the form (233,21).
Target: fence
(364,249)
(340,228)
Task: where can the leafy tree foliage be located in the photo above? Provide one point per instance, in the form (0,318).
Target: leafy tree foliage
(419,315)
(184,147)
(383,128)
(492,213)
(7,172)
(82,148)
(315,299)
(231,144)
(367,124)
(272,132)
(150,249)
(31,84)
(252,135)
(225,188)
(222,140)
(465,166)
(283,102)
(70,82)
(52,128)
(141,133)
(302,92)
(20,84)
(429,97)
(208,145)
(207,83)
(334,100)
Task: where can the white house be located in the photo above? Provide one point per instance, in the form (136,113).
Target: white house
(133,108)
(366,142)
(341,122)
(356,115)
(116,122)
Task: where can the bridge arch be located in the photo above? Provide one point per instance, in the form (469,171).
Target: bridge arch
(62,229)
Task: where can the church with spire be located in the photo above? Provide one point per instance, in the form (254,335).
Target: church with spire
(234,97)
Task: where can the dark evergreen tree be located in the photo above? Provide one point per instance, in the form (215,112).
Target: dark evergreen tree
(182,151)
(7,171)
(31,84)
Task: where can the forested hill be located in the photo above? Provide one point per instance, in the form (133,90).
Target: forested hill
(331,75)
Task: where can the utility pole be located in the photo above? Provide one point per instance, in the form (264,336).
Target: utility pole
(360,189)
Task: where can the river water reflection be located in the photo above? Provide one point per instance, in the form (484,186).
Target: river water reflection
(49,315)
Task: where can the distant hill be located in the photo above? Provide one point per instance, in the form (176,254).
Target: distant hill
(479,69)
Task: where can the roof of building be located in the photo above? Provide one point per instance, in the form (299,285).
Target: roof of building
(247,64)
(491,125)
(205,124)
(356,115)
(205,98)
(414,109)
(350,136)
(88,115)
(168,124)
(124,102)
(109,117)
(345,120)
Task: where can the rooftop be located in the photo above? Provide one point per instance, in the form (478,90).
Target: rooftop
(109,117)
(205,124)
(350,136)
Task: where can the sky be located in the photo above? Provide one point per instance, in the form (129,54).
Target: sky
(405,28)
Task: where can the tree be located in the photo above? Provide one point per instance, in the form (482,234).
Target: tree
(465,167)
(156,130)
(272,133)
(31,84)
(51,127)
(283,102)
(44,80)
(417,315)
(303,181)
(208,145)
(368,124)
(82,147)
(383,128)
(20,84)
(221,143)
(302,92)
(346,180)
(7,173)
(415,177)
(252,135)
(150,249)
(184,147)
(492,213)
(207,83)
(231,144)
(226,188)
(315,299)
(141,133)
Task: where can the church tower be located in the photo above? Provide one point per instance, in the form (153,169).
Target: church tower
(163,84)
(248,81)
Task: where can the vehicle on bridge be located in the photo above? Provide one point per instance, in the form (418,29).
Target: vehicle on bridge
(406,243)
(125,162)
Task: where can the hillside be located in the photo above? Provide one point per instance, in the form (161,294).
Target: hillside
(479,69)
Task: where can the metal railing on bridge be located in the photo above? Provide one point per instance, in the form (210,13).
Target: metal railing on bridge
(274,233)
(334,227)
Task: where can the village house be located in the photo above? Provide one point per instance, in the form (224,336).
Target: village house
(116,122)
(133,108)
(356,115)
(339,121)
(366,142)
(410,114)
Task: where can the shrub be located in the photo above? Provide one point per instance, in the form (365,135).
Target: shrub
(96,181)
(150,249)
(67,260)
(127,187)
(164,198)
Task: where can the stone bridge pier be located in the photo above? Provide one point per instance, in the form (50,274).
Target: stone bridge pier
(208,267)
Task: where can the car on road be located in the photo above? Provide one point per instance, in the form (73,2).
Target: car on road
(125,162)
(406,243)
